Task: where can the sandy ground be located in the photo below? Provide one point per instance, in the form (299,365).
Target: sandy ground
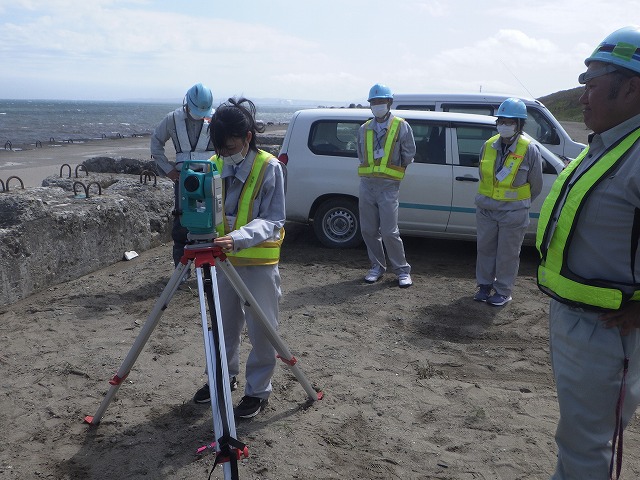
(421,383)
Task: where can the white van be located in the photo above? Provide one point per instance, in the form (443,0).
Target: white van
(436,195)
(541,124)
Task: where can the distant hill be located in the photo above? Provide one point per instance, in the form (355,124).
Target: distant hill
(564,104)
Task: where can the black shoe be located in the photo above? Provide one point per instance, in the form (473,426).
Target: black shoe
(250,407)
(203,395)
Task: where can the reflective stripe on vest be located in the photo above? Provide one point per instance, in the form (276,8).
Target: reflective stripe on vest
(554,276)
(503,190)
(184,150)
(267,252)
(380,167)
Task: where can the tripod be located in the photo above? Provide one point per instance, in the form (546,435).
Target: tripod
(204,254)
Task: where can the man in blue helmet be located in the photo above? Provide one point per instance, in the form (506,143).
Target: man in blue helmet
(587,237)
(385,147)
(187,127)
(510,179)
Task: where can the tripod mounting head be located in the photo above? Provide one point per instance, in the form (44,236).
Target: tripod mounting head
(200,198)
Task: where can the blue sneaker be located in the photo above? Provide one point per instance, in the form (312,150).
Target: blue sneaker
(498,300)
(483,293)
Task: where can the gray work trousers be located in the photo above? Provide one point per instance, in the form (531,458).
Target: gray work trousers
(499,238)
(587,361)
(263,281)
(378,205)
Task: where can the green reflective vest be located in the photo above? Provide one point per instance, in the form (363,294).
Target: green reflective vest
(554,277)
(503,190)
(380,167)
(267,252)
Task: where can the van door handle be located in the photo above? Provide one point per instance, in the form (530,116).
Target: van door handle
(467,179)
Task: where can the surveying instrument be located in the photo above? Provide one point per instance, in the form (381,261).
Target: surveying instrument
(200,207)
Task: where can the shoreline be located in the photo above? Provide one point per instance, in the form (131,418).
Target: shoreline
(33,164)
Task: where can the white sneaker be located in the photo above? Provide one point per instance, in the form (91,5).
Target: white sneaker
(404,280)
(374,274)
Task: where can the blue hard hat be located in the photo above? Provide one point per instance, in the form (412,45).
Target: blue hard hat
(199,100)
(380,91)
(512,108)
(619,48)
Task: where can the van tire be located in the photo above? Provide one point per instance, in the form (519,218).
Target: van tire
(336,223)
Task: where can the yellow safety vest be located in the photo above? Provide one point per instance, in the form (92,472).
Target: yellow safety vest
(380,167)
(554,277)
(267,252)
(503,190)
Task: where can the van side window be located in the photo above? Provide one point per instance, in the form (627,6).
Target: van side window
(540,128)
(470,141)
(430,142)
(420,108)
(334,138)
(474,109)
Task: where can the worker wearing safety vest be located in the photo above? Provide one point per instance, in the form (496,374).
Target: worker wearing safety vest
(251,235)
(385,148)
(588,235)
(187,127)
(510,179)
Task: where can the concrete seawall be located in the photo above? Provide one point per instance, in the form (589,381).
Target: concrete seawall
(48,235)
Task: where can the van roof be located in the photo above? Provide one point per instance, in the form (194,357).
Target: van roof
(460,97)
(363,114)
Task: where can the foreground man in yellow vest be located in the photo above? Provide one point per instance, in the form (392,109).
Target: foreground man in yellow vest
(251,235)
(385,148)
(588,241)
(510,179)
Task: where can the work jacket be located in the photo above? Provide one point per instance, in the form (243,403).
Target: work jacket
(267,252)
(503,190)
(554,237)
(380,167)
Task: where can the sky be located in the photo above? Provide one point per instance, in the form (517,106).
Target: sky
(331,51)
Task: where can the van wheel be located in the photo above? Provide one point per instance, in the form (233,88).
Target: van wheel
(336,223)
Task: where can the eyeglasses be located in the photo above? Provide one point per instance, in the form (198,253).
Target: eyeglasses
(583,78)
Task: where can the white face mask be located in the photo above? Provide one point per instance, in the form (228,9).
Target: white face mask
(379,111)
(235,159)
(506,131)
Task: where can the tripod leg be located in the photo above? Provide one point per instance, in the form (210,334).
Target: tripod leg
(277,342)
(141,340)
(218,371)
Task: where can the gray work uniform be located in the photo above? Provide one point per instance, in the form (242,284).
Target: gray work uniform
(378,200)
(263,281)
(586,357)
(191,142)
(501,225)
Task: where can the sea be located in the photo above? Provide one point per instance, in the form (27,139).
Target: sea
(25,122)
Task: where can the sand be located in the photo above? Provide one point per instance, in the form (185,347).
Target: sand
(419,383)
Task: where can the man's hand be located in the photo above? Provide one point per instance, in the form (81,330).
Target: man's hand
(626,318)
(226,243)
(174,175)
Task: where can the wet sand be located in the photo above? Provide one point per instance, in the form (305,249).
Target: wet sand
(32,165)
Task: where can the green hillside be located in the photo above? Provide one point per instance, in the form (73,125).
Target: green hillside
(564,104)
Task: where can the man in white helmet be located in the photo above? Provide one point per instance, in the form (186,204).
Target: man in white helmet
(187,127)
(385,147)
(588,237)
